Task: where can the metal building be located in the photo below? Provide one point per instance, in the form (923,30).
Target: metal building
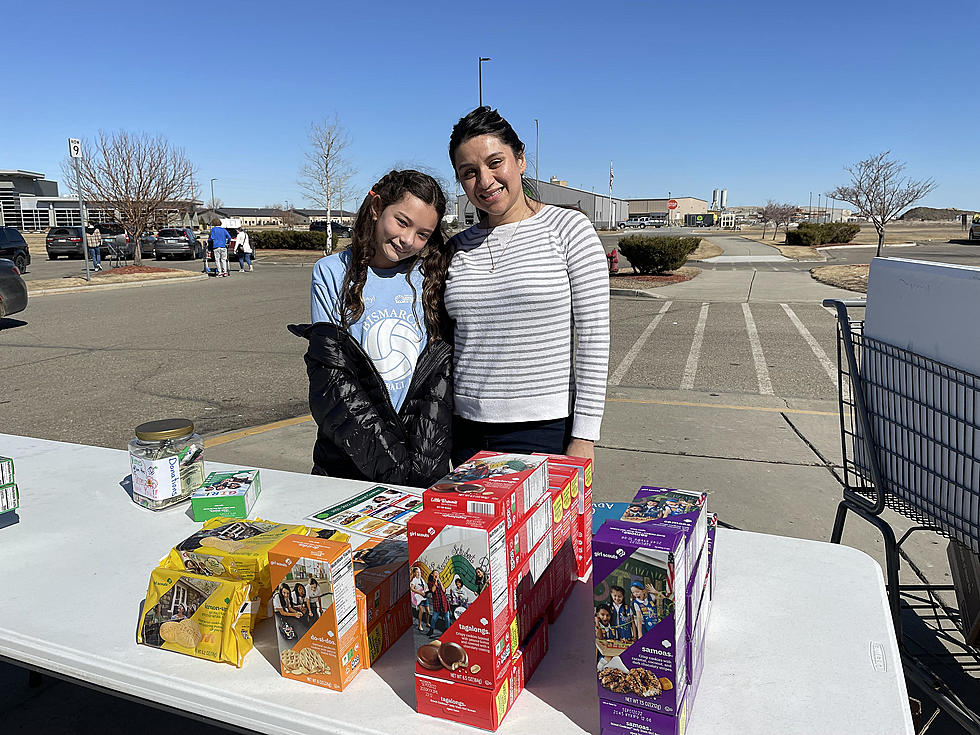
(603,210)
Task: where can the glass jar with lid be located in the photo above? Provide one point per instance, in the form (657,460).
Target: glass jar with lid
(167,458)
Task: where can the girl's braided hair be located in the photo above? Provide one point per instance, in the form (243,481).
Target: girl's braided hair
(434,257)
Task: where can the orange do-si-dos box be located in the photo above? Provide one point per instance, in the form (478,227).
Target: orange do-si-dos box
(491,483)
(315,611)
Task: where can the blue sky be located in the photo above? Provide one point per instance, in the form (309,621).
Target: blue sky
(767,99)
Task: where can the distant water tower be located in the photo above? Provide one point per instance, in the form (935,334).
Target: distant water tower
(724,199)
(714,199)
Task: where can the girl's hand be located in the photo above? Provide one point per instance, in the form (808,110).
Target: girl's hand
(580,448)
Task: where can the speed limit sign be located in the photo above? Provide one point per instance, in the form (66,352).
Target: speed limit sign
(75,147)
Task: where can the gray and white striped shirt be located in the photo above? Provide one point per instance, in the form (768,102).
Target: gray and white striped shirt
(516,325)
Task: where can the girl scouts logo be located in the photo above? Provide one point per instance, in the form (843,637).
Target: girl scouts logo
(393,345)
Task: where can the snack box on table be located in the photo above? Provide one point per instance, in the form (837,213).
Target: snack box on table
(491,483)
(478,706)
(683,508)
(472,642)
(6,471)
(384,629)
(326,647)
(233,548)
(582,494)
(467,704)
(229,494)
(9,497)
(651,670)
(381,573)
(198,615)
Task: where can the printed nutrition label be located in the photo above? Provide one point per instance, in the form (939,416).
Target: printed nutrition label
(8,498)
(497,554)
(344,600)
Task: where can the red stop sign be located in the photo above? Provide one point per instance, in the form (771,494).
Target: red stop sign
(672,204)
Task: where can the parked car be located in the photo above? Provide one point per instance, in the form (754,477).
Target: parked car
(177,241)
(13,290)
(147,241)
(63,241)
(109,231)
(338,229)
(13,246)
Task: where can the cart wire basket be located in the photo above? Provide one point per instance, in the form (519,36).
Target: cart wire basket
(910,441)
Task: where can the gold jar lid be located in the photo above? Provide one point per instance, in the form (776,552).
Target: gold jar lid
(156,431)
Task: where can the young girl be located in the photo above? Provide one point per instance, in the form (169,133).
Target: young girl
(378,362)
(603,628)
(621,617)
(644,609)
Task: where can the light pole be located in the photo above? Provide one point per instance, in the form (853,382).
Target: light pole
(479,65)
(537,154)
(212,194)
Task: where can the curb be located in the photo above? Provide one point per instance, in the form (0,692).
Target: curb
(110,286)
(641,292)
(854,247)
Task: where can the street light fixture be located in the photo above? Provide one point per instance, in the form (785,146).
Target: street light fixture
(212,194)
(479,65)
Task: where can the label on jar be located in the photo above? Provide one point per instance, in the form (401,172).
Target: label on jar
(156,479)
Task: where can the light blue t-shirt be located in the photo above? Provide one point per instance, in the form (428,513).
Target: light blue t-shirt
(390,330)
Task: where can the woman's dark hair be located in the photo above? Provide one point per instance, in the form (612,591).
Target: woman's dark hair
(434,257)
(487,121)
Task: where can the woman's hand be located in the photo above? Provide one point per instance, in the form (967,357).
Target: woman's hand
(580,448)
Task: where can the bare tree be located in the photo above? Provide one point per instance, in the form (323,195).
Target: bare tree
(783,215)
(139,176)
(767,214)
(880,192)
(325,165)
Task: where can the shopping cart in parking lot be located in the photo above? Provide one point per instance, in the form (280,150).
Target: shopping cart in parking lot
(910,440)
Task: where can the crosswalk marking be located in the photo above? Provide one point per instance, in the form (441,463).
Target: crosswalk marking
(691,369)
(620,371)
(761,371)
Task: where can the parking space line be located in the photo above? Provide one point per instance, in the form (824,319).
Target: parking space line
(761,371)
(691,369)
(620,371)
(825,362)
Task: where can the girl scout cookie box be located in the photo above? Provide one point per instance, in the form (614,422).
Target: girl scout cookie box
(234,549)
(202,616)
(645,666)
(491,483)
(684,508)
(229,494)
(315,610)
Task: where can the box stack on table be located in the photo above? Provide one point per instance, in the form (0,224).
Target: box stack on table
(9,496)
(652,577)
(494,550)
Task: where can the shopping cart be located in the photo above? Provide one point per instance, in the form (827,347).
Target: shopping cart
(910,441)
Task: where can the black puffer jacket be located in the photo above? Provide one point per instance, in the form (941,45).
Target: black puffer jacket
(359,434)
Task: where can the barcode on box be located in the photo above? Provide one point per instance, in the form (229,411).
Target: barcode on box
(475,506)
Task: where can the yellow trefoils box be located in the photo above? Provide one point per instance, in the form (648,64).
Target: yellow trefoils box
(232,548)
(202,616)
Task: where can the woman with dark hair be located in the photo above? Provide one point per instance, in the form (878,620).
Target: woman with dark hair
(528,290)
(379,361)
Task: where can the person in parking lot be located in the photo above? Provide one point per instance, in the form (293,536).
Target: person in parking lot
(220,238)
(94,238)
(243,249)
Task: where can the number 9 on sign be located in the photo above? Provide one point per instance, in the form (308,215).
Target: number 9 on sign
(75,147)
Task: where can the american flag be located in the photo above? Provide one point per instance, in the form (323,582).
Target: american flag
(610,175)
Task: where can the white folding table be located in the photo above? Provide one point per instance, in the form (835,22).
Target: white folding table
(799,640)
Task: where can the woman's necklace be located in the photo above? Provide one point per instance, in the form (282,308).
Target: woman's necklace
(493,264)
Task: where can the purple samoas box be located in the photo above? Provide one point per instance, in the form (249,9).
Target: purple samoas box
(684,508)
(640,581)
